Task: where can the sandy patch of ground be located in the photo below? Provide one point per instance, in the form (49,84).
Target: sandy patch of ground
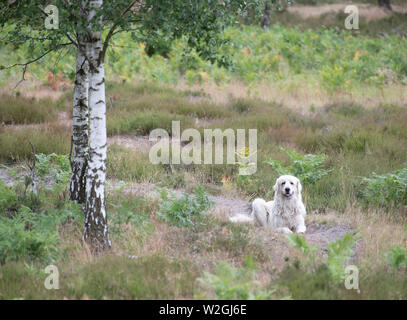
(135,143)
(6,177)
(320,234)
(63,120)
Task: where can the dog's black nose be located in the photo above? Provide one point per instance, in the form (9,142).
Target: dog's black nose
(287,190)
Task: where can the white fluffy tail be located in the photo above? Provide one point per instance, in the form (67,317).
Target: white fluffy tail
(241,218)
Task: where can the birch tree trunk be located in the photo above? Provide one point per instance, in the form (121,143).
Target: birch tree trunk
(96,230)
(77,189)
(265,21)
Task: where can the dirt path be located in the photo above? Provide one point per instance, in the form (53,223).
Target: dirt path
(320,234)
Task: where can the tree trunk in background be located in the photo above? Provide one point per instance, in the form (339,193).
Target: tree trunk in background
(385,3)
(77,188)
(96,230)
(265,21)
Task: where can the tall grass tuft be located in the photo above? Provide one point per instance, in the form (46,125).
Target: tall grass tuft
(21,110)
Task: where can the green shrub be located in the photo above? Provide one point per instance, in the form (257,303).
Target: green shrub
(29,224)
(8,199)
(300,243)
(386,190)
(30,235)
(124,211)
(397,258)
(13,198)
(228,283)
(338,253)
(304,284)
(52,172)
(308,168)
(53,167)
(185,211)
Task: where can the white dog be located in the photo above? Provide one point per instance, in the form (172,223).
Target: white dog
(286,213)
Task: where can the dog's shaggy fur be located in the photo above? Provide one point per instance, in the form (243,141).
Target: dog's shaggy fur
(286,213)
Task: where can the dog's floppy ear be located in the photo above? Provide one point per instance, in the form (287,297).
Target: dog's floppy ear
(275,188)
(299,186)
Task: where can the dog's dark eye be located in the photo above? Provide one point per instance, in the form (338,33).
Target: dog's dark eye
(291,183)
(283,183)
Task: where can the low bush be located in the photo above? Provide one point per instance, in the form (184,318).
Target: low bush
(127,211)
(186,211)
(308,168)
(228,283)
(386,190)
(29,235)
(397,258)
(338,253)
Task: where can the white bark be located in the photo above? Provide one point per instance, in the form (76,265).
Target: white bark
(80,127)
(95,229)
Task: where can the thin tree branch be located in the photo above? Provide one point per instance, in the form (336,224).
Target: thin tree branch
(25,65)
(67,34)
(22,78)
(72,39)
(130,29)
(112,29)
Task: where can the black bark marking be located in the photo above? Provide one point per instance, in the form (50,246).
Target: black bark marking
(95,229)
(77,191)
(101,82)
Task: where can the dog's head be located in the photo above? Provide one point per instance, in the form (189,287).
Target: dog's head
(287,187)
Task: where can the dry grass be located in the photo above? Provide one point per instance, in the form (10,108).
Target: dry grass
(45,139)
(20,110)
(301,95)
(366,11)
(219,240)
(380,232)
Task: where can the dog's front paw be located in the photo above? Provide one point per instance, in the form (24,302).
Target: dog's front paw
(286,230)
(301,230)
